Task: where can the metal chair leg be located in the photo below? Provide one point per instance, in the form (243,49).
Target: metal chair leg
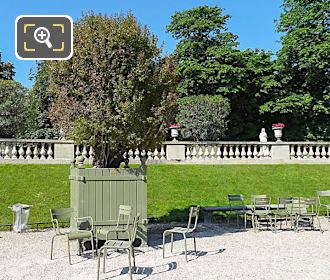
(129,264)
(98,265)
(105,252)
(69,251)
(185,246)
(92,241)
(164,236)
(245,221)
(51,248)
(195,245)
(172,237)
(133,255)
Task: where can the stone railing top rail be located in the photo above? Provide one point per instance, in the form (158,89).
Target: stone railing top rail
(10,140)
(245,143)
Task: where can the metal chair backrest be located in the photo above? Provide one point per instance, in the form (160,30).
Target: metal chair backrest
(135,226)
(60,215)
(261,202)
(311,204)
(323,194)
(194,213)
(235,199)
(124,214)
(298,206)
(285,201)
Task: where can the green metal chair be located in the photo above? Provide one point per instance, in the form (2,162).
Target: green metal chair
(321,196)
(281,214)
(194,213)
(125,245)
(260,211)
(120,225)
(238,200)
(311,213)
(82,228)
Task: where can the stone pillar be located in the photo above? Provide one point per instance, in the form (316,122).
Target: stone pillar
(280,151)
(175,152)
(64,151)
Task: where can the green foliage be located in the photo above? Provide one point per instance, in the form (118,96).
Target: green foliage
(115,93)
(208,62)
(12,108)
(7,70)
(302,99)
(171,188)
(203,117)
(38,125)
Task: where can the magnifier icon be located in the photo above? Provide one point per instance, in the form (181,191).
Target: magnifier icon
(42,35)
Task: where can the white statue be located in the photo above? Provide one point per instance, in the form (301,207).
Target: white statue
(264,151)
(263,136)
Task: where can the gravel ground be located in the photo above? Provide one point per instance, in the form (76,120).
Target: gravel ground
(224,253)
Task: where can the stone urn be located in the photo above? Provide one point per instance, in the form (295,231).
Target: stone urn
(174,131)
(278,131)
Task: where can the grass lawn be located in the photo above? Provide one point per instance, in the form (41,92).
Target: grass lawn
(171,188)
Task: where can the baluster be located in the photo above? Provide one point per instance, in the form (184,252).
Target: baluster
(7,152)
(84,153)
(43,152)
(137,155)
(236,152)
(77,153)
(143,155)
(323,152)
(266,151)
(206,153)
(36,152)
(212,153)
(91,154)
(317,152)
(231,152)
(156,154)
(28,152)
(261,153)
(130,155)
(310,152)
(305,153)
(162,153)
(21,151)
(50,152)
(194,153)
(150,155)
(249,152)
(299,152)
(243,151)
(14,152)
(200,152)
(188,153)
(225,152)
(218,154)
(292,151)
(255,151)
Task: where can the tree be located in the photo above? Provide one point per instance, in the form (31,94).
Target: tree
(203,117)
(209,63)
(115,92)
(39,99)
(12,108)
(7,70)
(302,99)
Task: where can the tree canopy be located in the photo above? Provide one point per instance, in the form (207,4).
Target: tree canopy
(115,92)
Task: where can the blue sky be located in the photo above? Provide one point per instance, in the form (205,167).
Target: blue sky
(252,20)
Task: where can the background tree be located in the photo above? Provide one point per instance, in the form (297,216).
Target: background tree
(7,70)
(208,62)
(302,99)
(38,124)
(12,108)
(115,92)
(204,116)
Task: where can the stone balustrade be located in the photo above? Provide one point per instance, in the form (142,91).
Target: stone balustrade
(181,152)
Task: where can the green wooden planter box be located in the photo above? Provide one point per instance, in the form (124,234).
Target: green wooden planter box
(98,192)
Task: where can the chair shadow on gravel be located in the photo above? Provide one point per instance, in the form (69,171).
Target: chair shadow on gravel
(147,271)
